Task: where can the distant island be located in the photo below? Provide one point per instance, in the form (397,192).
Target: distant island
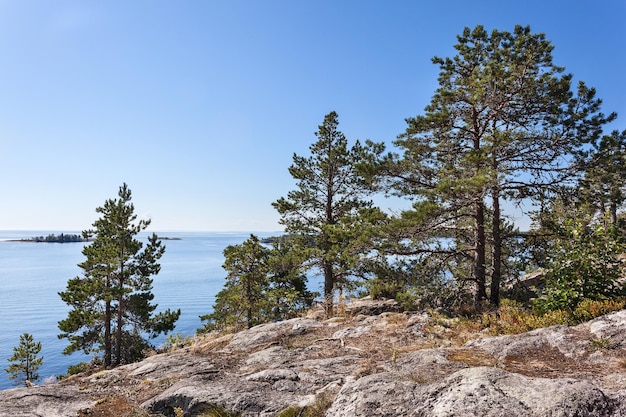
(67,238)
(52,238)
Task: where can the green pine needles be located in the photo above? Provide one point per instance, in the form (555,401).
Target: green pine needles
(25,362)
(262,284)
(325,212)
(111,303)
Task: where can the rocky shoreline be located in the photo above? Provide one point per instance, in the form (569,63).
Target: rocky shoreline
(386,364)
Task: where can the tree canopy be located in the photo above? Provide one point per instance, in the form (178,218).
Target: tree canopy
(504,124)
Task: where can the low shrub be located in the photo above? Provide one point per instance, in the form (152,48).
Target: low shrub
(176,340)
(513,318)
(600,343)
(213,410)
(79,368)
(590,309)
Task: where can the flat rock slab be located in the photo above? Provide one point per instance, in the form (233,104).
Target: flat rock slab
(480,391)
(55,400)
(270,332)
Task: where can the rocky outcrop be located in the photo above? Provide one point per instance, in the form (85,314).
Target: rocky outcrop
(476,391)
(390,364)
(60,400)
(526,286)
(368,307)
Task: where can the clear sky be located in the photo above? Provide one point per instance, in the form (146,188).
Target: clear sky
(199,105)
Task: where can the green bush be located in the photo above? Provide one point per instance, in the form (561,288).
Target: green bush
(585,266)
(262,285)
(78,368)
(590,309)
(176,340)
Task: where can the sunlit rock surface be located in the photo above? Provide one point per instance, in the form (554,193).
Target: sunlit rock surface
(386,364)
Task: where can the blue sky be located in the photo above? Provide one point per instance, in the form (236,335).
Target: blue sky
(199,105)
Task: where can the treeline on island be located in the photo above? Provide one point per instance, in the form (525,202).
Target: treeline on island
(60,238)
(65,238)
(506,127)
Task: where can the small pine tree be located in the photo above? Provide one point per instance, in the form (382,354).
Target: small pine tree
(25,362)
(263,284)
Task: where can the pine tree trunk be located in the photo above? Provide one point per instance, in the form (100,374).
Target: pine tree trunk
(107,334)
(118,338)
(120,313)
(496,275)
(329,284)
(249,302)
(479,217)
(614,212)
(479,255)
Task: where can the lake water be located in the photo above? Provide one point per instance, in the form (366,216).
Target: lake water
(32,274)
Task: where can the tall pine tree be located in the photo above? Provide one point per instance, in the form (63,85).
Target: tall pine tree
(505,123)
(320,213)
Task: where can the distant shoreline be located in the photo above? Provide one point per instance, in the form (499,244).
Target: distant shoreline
(67,238)
(45,241)
(54,238)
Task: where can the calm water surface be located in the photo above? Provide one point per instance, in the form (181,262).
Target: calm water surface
(32,274)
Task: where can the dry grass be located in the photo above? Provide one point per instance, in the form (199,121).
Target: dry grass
(210,343)
(513,318)
(471,357)
(367,366)
(213,410)
(113,407)
(317,409)
(547,362)
(427,377)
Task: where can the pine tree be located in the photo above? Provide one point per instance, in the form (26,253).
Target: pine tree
(25,361)
(503,124)
(262,284)
(319,214)
(111,307)
(247,271)
(604,183)
(288,294)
